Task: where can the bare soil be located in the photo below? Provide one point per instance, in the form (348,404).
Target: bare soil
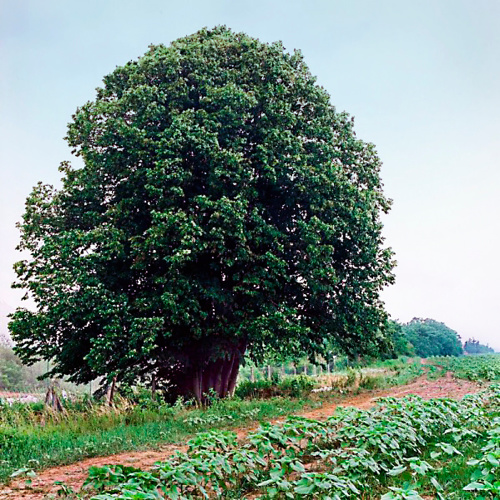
(73,475)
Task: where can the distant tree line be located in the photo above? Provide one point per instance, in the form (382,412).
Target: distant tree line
(472,346)
(424,338)
(14,376)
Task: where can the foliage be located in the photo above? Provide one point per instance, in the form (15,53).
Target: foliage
(480,367)
(485,477)
(400,345)
(432,338)
(224,206)
(376,375)
(393,451)
(473,346)
(11,372)
(15,376)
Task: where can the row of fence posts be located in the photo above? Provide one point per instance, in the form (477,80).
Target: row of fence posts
(315,370)
(52,400)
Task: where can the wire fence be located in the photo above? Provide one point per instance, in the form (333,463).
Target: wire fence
(253,373)
(30,389)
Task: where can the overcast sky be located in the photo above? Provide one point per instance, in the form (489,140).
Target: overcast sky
(421,78)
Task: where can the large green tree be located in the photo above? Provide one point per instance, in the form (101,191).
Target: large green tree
(224,207)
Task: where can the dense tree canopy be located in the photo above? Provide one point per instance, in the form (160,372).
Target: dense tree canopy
(224,207)
(398,343)
(432,338)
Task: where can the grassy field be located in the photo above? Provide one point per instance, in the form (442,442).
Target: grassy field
(34,438)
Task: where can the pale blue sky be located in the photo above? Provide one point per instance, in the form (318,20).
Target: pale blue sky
(422,79)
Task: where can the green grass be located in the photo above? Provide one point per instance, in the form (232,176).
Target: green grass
(94,433)
(31,436)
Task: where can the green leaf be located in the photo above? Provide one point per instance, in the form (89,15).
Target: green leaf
(474,486)
(304,489)
(397,470)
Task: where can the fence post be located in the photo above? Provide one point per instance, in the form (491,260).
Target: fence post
(110,393)
(269,372)
(153,386)
(252,374)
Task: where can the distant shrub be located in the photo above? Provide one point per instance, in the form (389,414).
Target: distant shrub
(372,380)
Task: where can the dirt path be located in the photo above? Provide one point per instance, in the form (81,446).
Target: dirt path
(74,475)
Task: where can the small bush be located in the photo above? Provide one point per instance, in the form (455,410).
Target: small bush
(295,386)
(372,381)
(258,389)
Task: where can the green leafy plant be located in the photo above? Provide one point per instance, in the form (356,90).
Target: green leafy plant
(388,450)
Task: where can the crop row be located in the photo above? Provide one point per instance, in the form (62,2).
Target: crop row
(486,475)
(473,367)
(387,452)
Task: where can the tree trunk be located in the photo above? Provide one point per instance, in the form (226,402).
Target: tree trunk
(219,376)
(52,400)
(226,374)
(233,377)
(197,393)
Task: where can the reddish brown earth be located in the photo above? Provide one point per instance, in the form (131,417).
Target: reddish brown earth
(73,475)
